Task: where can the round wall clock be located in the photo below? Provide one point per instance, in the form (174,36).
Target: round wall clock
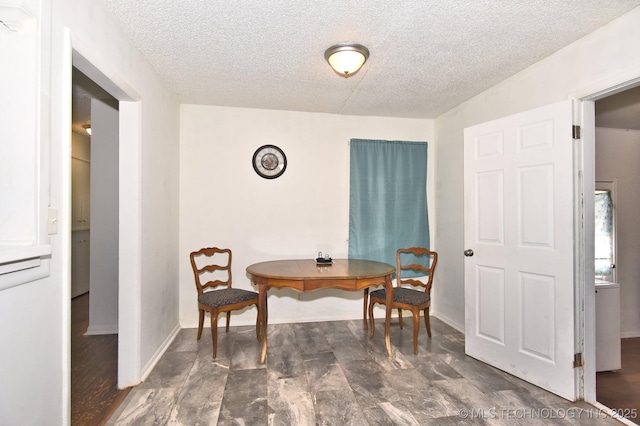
(269,161)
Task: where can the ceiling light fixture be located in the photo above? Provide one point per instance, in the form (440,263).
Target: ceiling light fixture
(346,59)
(87,128)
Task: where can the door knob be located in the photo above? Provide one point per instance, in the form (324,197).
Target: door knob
(468,252)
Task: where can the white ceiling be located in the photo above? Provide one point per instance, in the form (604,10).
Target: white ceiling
(427,56)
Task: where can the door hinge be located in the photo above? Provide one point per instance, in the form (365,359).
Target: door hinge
(578,360)
(575,132)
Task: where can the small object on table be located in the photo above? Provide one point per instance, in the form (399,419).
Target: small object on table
(326,260)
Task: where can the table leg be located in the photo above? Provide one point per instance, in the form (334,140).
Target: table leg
(387,320)
(366,305)
(262,300)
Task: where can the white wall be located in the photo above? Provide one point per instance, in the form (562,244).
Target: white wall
(224,203)
(606,58)
(103,273)
(149,151)
(35,350)
(618,160)
(593,63)
(81,146)
(31,350)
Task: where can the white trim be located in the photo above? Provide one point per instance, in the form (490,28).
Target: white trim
(25,272)
(97,330)
(449,321)
(584,304)
(588,286)
(64,204)
(88,61)
(130,245)
(10,254)
(610,85)
(22,265)
(630,334)
(612,413)
(241,322)
(148,367)
(615,83)
(15,17)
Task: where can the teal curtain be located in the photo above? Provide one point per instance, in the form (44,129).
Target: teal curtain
(388,198)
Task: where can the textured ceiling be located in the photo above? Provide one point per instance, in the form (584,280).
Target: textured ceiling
(427,56)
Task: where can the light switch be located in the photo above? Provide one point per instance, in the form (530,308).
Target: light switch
(53,220)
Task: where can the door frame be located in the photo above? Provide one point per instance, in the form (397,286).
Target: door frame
(584,211)
(84,56)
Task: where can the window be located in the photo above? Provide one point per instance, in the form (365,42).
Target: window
(604,236)
(388,198)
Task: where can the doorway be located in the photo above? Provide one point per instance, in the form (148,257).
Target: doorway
(129,208)
(617,159)
(94,264)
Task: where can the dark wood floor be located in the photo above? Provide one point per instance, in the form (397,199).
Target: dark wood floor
(620,390)
(94,370)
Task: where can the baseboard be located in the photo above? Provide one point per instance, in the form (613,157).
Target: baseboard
(378,314)
(615,413)
(148,367)
(240,322)
(449,321)
(630,334)
(96,330)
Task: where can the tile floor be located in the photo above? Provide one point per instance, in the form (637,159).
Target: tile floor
(331,373)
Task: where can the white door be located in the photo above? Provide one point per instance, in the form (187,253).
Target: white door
(519,223)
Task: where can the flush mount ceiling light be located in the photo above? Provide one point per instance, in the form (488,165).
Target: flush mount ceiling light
(87,128)
(346,59)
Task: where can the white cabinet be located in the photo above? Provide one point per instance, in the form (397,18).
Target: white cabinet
(80,194)
(608,354)
(80,214)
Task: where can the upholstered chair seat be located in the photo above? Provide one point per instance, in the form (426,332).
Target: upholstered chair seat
(226,296)
(403,295)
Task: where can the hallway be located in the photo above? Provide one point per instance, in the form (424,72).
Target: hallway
(94,370)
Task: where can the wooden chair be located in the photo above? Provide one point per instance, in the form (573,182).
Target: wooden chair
(216,264)
(409,298)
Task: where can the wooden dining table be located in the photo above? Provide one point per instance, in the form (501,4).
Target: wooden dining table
(306,275)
